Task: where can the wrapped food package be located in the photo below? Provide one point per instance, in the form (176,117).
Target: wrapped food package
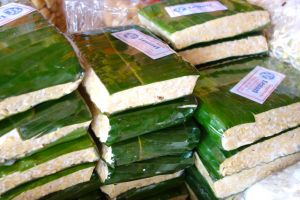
(43,126)
(225,50)
(47,162)
(183,23)
(137,175)
(111,129)
(121,77)
(133,189)
(170,141)
(169,189)
(49,184)
(227,163)
(230,185)
(144,169)
(231,172)
(89,190)
(199,188)
(38,64)
(233,120)
(285,30)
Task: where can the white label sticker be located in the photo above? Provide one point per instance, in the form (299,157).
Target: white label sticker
(13,11)
(193,8)
(259,84)
(148,45)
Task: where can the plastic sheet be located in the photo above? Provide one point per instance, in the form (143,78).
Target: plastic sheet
(285,32)
(94,14)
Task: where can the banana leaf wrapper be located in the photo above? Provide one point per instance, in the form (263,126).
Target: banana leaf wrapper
(43,126)
(111,129)
(53,183)
(233,121)
(144,169)
(229,186)
(239,18)
(120,77)
(223,163)
(117,189)
(171,141)
(88,190)
(169,189)
(49,161)
(198,185)
(225,50)
(200,189)
(38,64)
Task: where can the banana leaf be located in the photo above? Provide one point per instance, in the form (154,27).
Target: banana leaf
(176,30)
(43,120)
(214,158)
(220,110)
(178,193)
(94,195)
(115,68)
(171,141)
(164,190)
(130,124)
(34,56)
(145,169)
(230,186)
(50,154)
(45,180)
(48,117)
(88,190)
(198,184)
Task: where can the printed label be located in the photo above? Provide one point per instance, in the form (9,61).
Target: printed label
(148,45)
(259,84)
(193,8)
(13,11)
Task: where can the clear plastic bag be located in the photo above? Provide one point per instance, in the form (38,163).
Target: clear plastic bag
(284,34)
(83,15)
(94,14)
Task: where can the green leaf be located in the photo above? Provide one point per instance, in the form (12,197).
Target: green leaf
(149,168)
(40,157)
(34,56)
(162,190)
(219,109)
(48,117)
(121,67)
(130,124)
(42,181)
(171,141)
(199,185)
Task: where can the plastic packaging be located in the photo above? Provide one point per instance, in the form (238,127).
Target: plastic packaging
(94,14)
(285,31)
(83,15)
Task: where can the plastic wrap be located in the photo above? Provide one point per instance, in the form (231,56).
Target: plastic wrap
(285,32)
(94,14)
(83,15)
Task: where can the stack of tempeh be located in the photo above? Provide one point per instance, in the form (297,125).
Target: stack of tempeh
(246,141)
(243,141)
(44,143)
(212,30)
(141,108)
